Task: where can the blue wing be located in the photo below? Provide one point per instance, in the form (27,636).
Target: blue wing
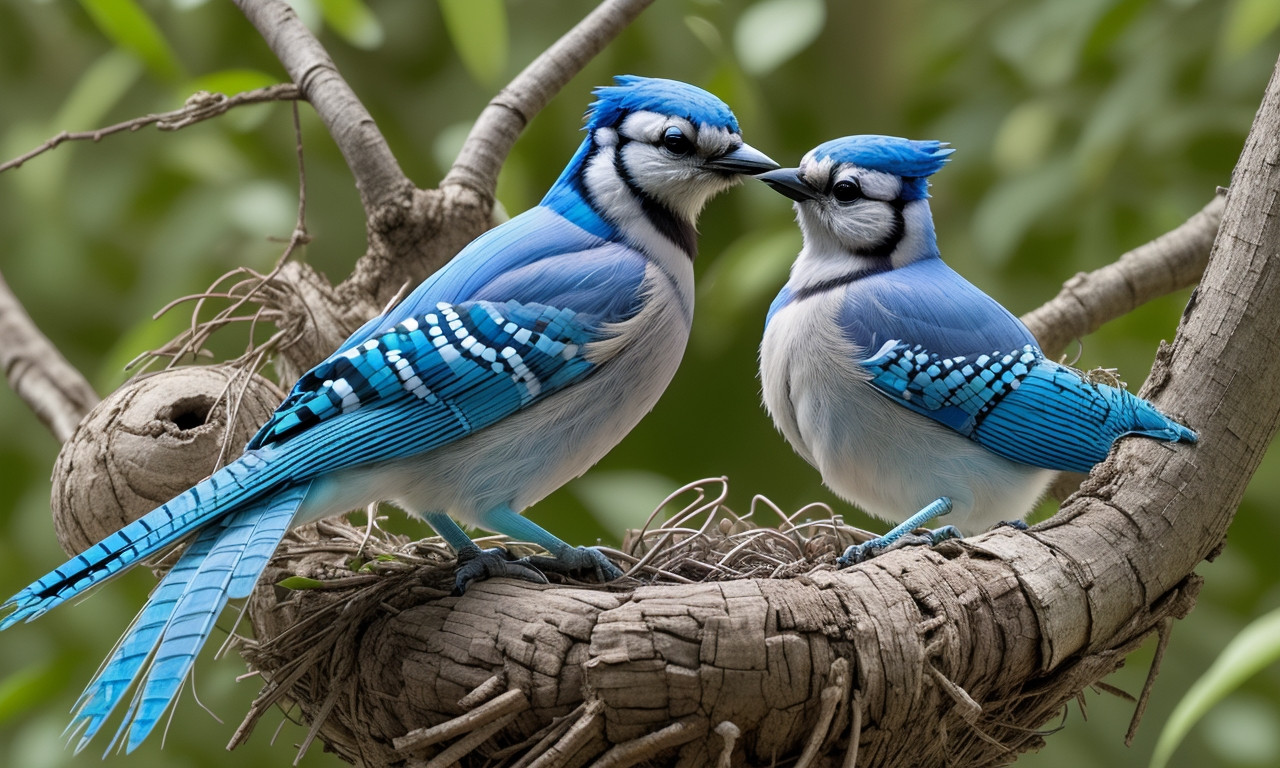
(930,304)
(531,238)
(428,381)
(955,355)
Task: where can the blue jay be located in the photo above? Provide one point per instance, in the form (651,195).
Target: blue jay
(501,377)
(913,393)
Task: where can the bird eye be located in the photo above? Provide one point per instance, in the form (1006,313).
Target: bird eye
(846,191)
(676,142)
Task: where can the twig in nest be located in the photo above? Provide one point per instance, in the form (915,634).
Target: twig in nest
(649,745)
(502,709)
(200,106)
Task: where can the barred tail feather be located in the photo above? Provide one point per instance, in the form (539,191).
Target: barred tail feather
(162,527)
(133,649)
(160,647)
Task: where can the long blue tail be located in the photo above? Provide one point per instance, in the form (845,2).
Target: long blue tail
(161,645)
(234,521)
(238,482)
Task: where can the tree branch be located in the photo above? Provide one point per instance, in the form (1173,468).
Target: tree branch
(376,170)
(37,371)
(1087,301)
(507,114)
(200,106)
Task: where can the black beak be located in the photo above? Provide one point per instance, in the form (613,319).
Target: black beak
(746,160)
(787,181)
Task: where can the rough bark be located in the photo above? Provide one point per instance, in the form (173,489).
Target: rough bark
(54,390)
(954,655)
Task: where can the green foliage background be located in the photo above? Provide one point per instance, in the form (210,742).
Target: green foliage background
(1083,128)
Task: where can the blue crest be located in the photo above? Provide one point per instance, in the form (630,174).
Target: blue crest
(632,93)
(913,160)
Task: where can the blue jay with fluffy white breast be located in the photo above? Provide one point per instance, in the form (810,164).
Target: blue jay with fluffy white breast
(501,377)
(913,393)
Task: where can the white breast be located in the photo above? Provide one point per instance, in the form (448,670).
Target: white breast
(888,460)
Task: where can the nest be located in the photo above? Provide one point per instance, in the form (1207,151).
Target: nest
(332,581)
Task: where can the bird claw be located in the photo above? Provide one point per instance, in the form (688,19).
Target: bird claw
(475,564)
(1017,525)
(578,559)
(860,553)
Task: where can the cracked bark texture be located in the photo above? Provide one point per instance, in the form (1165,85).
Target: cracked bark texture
(955,655)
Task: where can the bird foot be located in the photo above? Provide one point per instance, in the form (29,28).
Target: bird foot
(578,560)
(1017,525)
(475,564)
(860,553)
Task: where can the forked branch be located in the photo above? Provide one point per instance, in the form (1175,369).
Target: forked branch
(507,114)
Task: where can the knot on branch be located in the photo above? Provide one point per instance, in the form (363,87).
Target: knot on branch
(150,440)
(411,235)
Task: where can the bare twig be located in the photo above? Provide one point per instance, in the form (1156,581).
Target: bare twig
(200,106)
(501,122)
(646,747)
(1173,261)
(37,371)
(510,703)
(377,172)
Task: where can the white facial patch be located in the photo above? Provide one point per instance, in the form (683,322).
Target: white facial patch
(648,127)
(848,227)
(681,183)
(876,185)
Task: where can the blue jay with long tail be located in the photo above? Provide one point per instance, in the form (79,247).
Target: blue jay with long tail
(913,393)
(501,377)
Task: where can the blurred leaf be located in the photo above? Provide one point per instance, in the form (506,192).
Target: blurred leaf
(705,31)
(145,335)
(353,20)
(263,209)
(1012,207)
(28,688)
(752,268)
(207,156)
(1128,102)
(1256,647)
(1242,731)
(1112,25)
(129,27)
(478,29)
(621,499)
(1045,40)
(309,13)
(1025,137)
(772,31)
(230,81)
(97,92)
(299,582)
(449,143)
(1248,23)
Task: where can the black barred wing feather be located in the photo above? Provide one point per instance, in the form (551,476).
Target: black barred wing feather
(447,373)
(1017,404)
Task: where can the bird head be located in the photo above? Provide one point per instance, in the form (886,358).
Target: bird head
(865,197)
(657,149)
